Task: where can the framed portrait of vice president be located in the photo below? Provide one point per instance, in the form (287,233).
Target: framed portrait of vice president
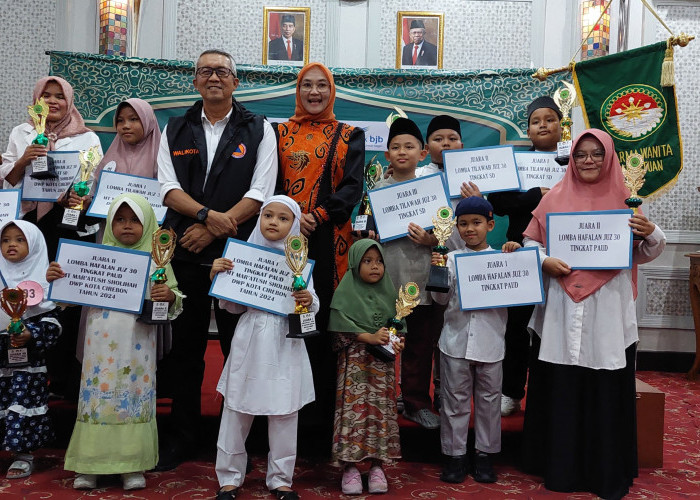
(286,35)
(419,39)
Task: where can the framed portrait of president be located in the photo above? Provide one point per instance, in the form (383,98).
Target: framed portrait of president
(286,35)
(419,39)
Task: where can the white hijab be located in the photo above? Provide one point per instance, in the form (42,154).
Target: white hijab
(33,267)
(256,236)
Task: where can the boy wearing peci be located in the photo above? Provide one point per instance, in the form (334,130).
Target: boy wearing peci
(544,130)
(471,352)
(410,261)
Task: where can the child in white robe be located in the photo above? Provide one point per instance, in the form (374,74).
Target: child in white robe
(265,373)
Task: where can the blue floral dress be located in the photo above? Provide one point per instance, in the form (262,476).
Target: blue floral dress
(24,391)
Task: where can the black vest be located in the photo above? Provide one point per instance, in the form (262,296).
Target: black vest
(230,175)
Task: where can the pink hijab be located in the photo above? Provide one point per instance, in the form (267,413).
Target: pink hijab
(68,126)
(135,159)
(571,194)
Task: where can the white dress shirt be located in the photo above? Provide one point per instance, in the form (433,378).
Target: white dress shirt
(262,185)
(428,169)
(595,332)
(477,335)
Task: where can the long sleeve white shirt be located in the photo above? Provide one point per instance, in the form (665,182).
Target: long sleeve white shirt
(477,335)
(595,332)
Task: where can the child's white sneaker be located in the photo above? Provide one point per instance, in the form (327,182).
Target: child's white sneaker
(509,406)
(133,481)
(85,482)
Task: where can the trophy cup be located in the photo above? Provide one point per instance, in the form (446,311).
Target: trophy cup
(565,98)
(302,323)
(364,222)
(408,299)
(14,303)
(73,218)
(438,277)
(634,171)
(42,167)
(162,250)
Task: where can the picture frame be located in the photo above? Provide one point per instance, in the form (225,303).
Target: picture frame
(428,54)
(286,24)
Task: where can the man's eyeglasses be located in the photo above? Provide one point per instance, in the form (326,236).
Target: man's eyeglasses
(596,156)
(206,72)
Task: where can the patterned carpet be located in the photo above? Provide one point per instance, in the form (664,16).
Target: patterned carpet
(415,478)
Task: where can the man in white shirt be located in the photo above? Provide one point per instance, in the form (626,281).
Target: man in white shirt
(216,165)
(420,52)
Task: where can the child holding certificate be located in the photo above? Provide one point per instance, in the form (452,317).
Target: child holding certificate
(580,421)
(471,346)
(24,391)
(365,426)
(410,257)
(266,373)
(544,130)
(115,432)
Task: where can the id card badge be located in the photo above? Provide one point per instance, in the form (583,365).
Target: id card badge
(160,311)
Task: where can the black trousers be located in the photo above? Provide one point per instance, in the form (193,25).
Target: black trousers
(517,351)
(183,369)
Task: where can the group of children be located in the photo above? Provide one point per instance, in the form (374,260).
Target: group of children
(269,374)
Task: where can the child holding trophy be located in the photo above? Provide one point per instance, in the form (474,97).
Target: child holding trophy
(365,426)
(472,347)
(64,130)
(30,327)
(115,432)
(267,372)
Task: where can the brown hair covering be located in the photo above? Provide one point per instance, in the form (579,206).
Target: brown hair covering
(137,159)
(68,126)
(300,113)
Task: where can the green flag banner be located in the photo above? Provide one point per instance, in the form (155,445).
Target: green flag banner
(622,94)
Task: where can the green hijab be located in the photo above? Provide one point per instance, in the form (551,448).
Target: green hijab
(147,217)
(359,307)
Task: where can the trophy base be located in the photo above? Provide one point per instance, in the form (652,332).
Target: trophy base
(381,353)
(302,326)
(562,160)
(438,280)
(43,168)
(72,221)
(154,313)
(364,224)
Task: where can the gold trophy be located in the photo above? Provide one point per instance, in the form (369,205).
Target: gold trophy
(14,303)
(42,167)
(364,222)
(302,323)
(73,218)
(565,99)
(444,224)
(407,301)
(162,250)
(634,171)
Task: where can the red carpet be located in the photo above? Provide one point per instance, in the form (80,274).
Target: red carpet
(679,478)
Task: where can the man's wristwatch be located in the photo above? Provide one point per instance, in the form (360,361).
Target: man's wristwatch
(202,214)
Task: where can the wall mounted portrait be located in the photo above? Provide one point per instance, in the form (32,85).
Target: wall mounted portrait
(286,35)
(419,39)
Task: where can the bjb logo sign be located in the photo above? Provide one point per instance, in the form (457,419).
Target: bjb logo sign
(376,134)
